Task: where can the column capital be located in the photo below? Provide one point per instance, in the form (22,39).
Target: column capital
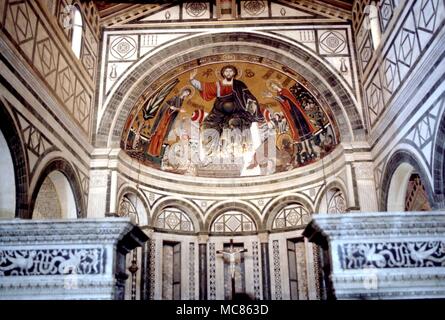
(263,237)
(364,170)
(203,238)
(148,231)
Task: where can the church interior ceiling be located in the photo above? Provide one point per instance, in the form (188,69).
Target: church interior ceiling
(233,115)
(103,5)
(108,8)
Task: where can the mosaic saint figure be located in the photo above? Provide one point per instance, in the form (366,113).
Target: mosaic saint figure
(299,123)
(164,121)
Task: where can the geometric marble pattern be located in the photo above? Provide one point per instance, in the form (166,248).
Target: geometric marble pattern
(387,8)
(375,100)
(36,143)
(332,42)
(378,173)
(212,272)
(152,269)
(316,259)
(254,8)
(123,48)
(43,51)
(277,269)
(291,216)
(174,219)
(337,203)
(89,46)
(366,52)
(127,209)
(89,62)
(233,222)
(192,271)
(422,134)
(84,184)
(195,10)
(256,271)
(412,38)
(389,74)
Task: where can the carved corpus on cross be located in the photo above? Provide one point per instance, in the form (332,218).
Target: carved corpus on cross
(230,255)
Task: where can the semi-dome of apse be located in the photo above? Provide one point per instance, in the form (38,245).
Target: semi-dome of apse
(230,115)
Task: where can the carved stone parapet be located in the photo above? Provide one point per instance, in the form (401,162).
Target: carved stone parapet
(382,255)
(65,259)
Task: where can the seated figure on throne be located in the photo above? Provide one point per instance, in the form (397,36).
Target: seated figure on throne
(235,109)
(233,101)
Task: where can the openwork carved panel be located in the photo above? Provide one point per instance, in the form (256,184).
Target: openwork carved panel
(256,271)
(152,268)
(233,222)
(174,219)
(392,255)
(277,269)
(192,271)
(51,262)
(293,215)
(212,272)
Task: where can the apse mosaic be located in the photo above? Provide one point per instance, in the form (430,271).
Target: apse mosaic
(230,117)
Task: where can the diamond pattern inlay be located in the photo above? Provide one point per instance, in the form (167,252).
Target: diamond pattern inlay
(20,15)
(233,222)
(45,51)
(291,216)
(25,26)
(66,84)
(428,11)
(123,48)
(22,21)
(407,44)
(390,72)
(375,97)
(174,219)
(332,42)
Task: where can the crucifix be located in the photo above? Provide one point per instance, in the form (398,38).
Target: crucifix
(230,254)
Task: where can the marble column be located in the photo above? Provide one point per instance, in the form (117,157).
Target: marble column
(265,265)
(145,267)
(364,175)
(203,266)
(97,200)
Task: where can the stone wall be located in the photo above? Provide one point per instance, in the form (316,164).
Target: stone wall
(47,93)
(403,88)
(47,205)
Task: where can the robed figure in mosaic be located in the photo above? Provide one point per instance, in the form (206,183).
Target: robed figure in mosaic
(164,120)
(234,107)
(299,123)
